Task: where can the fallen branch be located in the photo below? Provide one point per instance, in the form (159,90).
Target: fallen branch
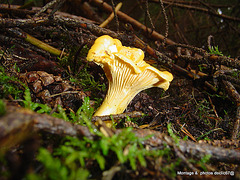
(18,124)
(34,41)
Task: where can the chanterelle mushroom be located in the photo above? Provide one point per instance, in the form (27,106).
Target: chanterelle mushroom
(127,73)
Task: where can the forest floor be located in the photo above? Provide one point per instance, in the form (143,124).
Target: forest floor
(49,95)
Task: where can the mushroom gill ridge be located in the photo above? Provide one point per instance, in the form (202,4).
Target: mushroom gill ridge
(127,73)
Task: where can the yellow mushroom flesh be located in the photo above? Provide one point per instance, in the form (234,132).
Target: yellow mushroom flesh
(127,73)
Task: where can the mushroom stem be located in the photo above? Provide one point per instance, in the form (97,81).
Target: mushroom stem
(115,103)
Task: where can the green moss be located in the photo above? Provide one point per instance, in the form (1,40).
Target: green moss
(9,85)
(70,158)
(2,108)
(214,50)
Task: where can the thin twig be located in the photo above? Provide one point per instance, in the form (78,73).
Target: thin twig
(118,116)
(226,143)
(109,19)
(115,15)
(19,33)
(57,6)
(65,92)
(149,16)
(47,6)
(166,21)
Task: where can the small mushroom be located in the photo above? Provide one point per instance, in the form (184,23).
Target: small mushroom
(127,73)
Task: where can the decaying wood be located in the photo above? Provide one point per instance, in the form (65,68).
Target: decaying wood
(235,63)
(226,143)
(18,124)
(118,116)
(191,148)
(19,33)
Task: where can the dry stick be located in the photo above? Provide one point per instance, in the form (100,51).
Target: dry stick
(115,15)
(14,41)
(223,60)
(47,6)
(19,124)
(226,143)
(166,21)
(149,16)
(118,116)
(57,6)
(19,33)
(232,92)
(65,92)
(110,18)
(184,130)
(235,63)
(43,45)
(7,22)
(198,50)
(204,55)
(132,21)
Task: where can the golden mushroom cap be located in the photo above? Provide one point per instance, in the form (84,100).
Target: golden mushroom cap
(102,48)
(106,51)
